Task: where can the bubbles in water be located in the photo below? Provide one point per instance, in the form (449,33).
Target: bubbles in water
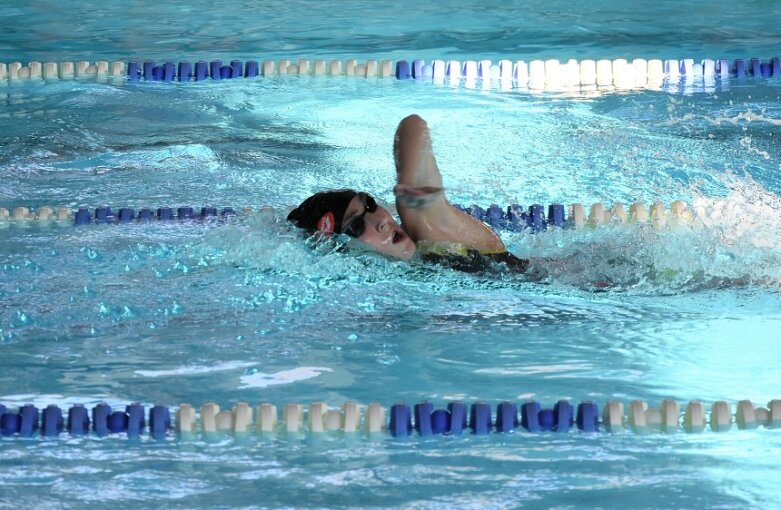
(90,253)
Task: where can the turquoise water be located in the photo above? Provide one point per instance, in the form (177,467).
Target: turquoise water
(245,311)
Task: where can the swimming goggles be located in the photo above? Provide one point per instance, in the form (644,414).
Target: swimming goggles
(357,224)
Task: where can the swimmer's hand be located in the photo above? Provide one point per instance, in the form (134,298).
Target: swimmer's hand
(415,197)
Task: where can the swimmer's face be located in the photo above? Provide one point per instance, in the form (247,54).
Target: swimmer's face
(380,232)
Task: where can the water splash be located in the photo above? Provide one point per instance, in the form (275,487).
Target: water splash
(732,241)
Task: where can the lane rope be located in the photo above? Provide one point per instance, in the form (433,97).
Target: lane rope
(618,74)
(514,217)
(399,421)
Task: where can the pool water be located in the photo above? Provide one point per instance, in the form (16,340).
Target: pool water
(245,310)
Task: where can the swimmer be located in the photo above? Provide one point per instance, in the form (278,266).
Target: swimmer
(431,228)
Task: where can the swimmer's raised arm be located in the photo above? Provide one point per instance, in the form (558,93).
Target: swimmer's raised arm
(426,215)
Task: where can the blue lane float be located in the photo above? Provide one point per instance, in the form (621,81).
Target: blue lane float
(534,218)
(52,422)
(100,417)
(78,422)
(557,419)
(24,422)
(424,419)
(84,216)
(480,418)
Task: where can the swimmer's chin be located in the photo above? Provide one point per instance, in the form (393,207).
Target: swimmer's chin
(403,250)
(400,252)
(408,254)
(398,245)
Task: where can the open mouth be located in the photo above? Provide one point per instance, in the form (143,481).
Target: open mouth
(397,236)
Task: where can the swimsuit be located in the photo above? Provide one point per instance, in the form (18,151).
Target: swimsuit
(469,260)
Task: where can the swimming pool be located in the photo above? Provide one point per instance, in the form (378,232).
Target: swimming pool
(243,310)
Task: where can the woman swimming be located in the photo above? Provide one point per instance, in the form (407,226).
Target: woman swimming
(430,227)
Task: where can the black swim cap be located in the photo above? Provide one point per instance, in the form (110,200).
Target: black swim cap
(322,211)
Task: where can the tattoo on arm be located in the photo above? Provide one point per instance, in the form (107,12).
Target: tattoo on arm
(417,197)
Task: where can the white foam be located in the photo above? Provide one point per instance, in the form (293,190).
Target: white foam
(44,399)
(746,217)
(263,380)
(733,240)
(558,369)
(196,369)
